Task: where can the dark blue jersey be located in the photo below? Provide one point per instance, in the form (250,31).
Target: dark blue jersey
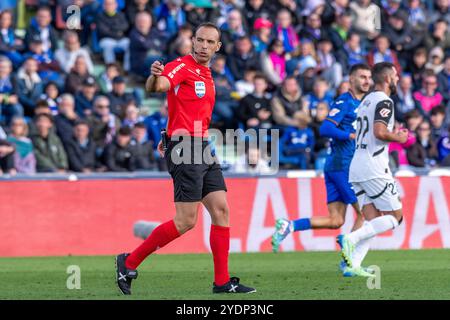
(343,113)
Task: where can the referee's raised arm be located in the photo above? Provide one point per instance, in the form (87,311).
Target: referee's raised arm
(156,83)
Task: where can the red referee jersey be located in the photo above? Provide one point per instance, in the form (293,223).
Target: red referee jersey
(191,97)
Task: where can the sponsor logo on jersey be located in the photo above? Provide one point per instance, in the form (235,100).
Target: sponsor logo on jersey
(200,88)
(339,102)
(385,112)
(175,70)
(334,112)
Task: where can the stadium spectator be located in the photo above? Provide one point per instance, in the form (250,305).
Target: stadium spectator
(398,151)
(404,100)
(273,62)
(389,8)
(285,31)
(81,150)
(313,29)
(146,45)
(169,17)
(78,74)
(402,37)
(287,102)
(444,79)
(342,88)
(262,35)
(245,86)
(351,52)
(412,120)
(440,36)
(182,47)
(423,153)
(50,95)
(417,16)
(254,109)
(118,97)
(307,58)
(441,11)
(49,69)
(298,141)
(10,45)
(185,32)
(66,118)
(7,158)
(144,157)
(232,30)
(251,162)
(242,58)
(333,10)
(328,67)
(417,67)
(313,7)
(435,60)
(444,150)
(363,11)
(295,10)
(29,85)
(84,99)
(72,49)
(382,53)
(40,108)
(102,122)
(24,158)
(223,81)
(9,99)
(199,11)
(131,115)
(339,32)
(320,94)
(111,27)
(119,155)
(321,144)
(48,149)
(439,126)
(105,80)
(154,123)
(257,10)
(134,7)
(428,96)
(40,27)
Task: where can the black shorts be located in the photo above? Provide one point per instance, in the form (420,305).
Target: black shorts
(194,169)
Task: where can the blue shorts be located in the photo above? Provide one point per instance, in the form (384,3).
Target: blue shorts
(338,187)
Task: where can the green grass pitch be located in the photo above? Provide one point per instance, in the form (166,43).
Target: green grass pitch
(412,274)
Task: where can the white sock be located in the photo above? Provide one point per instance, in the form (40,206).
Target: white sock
(372,228)
(361,250)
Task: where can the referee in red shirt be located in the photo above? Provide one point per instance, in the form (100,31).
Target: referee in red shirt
(196,174)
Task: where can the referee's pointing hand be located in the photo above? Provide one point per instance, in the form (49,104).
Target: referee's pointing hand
(157,68)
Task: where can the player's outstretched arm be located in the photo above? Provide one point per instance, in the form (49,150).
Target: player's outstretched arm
(330,130)
(381,132)
(155,82)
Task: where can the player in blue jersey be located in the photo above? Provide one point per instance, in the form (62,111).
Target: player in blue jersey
(340,127)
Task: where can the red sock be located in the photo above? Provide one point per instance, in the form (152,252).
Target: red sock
(219,240)
(162,235)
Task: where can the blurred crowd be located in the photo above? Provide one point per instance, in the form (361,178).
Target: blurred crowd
(281,65)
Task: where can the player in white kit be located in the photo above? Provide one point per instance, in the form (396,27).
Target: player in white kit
(370,175)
